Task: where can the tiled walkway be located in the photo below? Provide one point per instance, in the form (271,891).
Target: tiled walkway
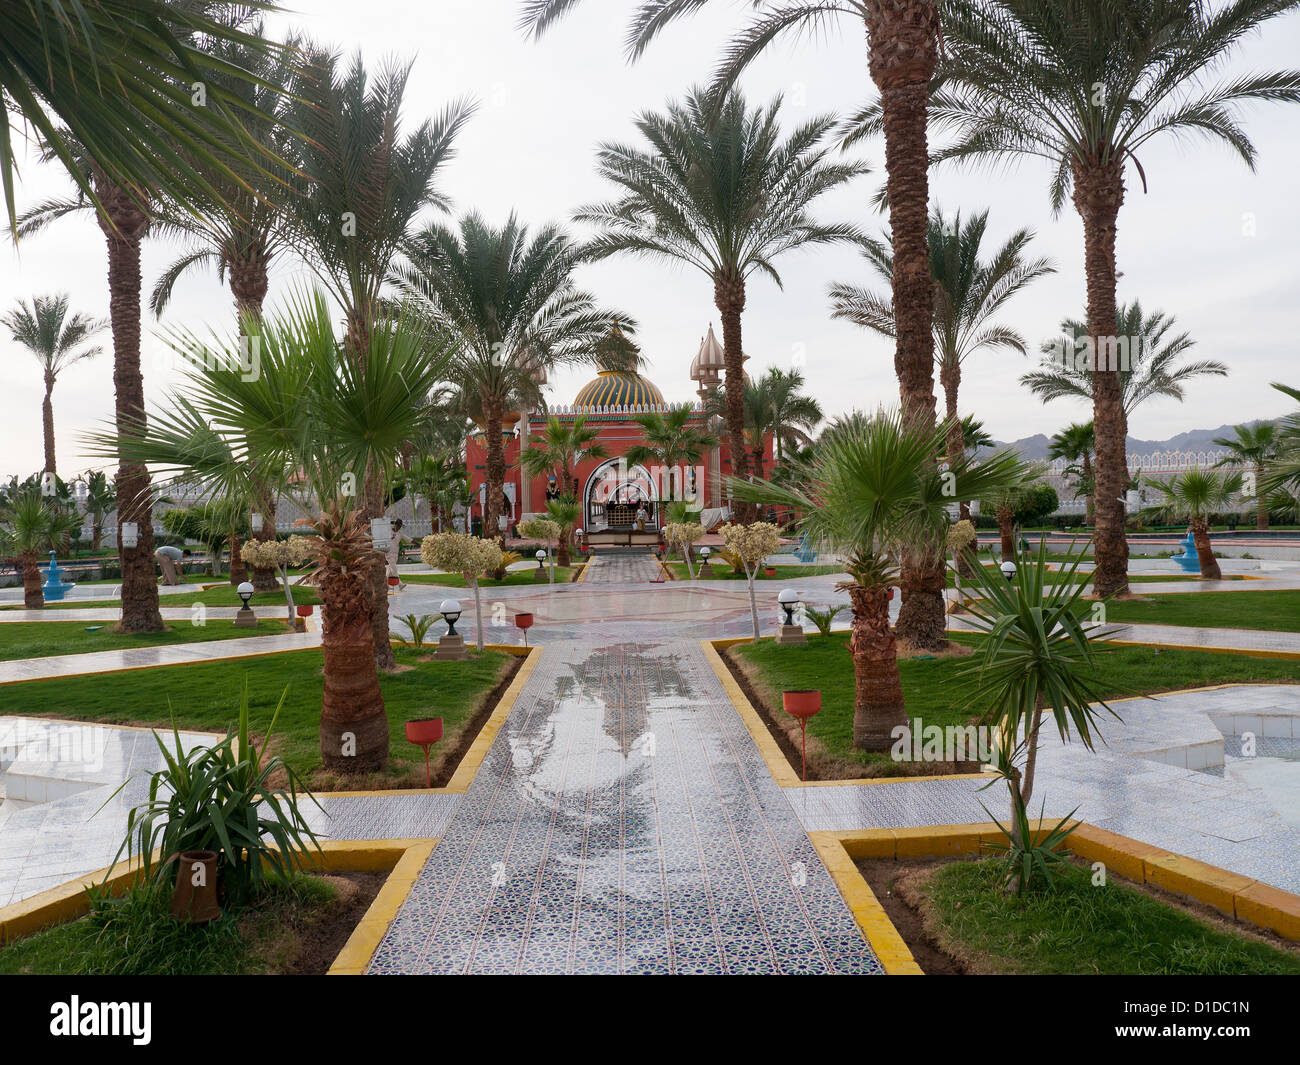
(624,822)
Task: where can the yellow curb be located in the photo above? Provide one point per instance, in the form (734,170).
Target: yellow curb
(1269,907)
(581,577)
(887,945)
(777,765)
(1249,652)
(355,956)
(1205,883)
(473,760)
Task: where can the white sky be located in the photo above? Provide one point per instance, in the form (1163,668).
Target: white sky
(543,109)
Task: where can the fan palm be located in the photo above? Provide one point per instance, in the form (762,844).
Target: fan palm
(29,524)
(723,191)
(1282,474)
(1075,444)
(509,297)
(969,293)
(1254,446)
(1150,361)
(58,341)
(565,512)
(563,444)
(313,424)
(1196,496)
(872,492)
(1086,85)
(673,441)
(362,180)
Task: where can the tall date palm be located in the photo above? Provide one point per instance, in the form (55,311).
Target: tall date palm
(1087,85)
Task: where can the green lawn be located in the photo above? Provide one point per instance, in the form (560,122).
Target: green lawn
(563,575)
(936,693)
(1275,610)
(1076,928)
(222,595)
(205,697)
(37,639)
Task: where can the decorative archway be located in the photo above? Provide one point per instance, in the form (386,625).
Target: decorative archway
(615,492)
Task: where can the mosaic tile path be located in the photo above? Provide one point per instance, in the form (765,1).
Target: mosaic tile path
(624,822)
(622,568)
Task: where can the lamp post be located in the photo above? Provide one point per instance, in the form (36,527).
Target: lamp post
(790,632)
(1008,569)
(704,559)
(245,618)
(451,645)
(540,575)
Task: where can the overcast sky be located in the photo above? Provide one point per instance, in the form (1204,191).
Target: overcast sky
(1183,247)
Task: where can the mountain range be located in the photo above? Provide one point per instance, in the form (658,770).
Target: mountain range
(1034,448)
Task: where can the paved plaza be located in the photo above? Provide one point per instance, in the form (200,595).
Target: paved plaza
(624,821)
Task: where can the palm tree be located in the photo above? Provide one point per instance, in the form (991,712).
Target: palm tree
(29,524)
(99,501)
(902,49)
(562,445)
(871,493)
(969,292)
(1087,84)
(509,297)
(565,512)
(1282,474)
(312,424)
(721,190)
(794,413)
(1150,362)
(362,182)
(58,341)
(1254,446)
(1075,445)
(130,104)
(1197,495)
(673,440)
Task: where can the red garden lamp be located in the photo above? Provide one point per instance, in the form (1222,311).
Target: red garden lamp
(525,622)
(425,731)
(802,703)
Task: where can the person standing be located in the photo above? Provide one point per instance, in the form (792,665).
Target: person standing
(394,552)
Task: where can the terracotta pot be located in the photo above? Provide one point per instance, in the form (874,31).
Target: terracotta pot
(769,571)
(304,611)
(424,730)
(801,703)
(195,899)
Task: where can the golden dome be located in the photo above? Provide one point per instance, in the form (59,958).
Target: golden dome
(617,389)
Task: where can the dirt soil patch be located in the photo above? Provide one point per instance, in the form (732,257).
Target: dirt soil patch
(315,945)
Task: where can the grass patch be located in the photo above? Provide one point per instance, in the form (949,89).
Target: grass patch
(37,639)
(204,696)
(1272,610)
(135,935)
(935,691)
(223,595)
(563,575)
(1076,928)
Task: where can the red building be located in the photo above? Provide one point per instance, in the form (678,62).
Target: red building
(620,503)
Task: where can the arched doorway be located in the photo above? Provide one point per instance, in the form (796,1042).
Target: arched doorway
(614,495)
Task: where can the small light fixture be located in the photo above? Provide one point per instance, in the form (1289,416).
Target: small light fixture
(245,592)
(541,560)
(704,555)
(450,611)
(1008,569)
(789,599)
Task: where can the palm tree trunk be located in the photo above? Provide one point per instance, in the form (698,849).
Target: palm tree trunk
(1261,504)
(47,423)
(729,297)
(902,47)
(950,379)
(1200,529)
(496,470)
(1098,194)
(238,568)
(878,706)
(33,594)
(353,723)
(1007,531)
(562,556)
(124,221)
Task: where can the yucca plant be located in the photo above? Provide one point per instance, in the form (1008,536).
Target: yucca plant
(1037,659)
(221,798)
